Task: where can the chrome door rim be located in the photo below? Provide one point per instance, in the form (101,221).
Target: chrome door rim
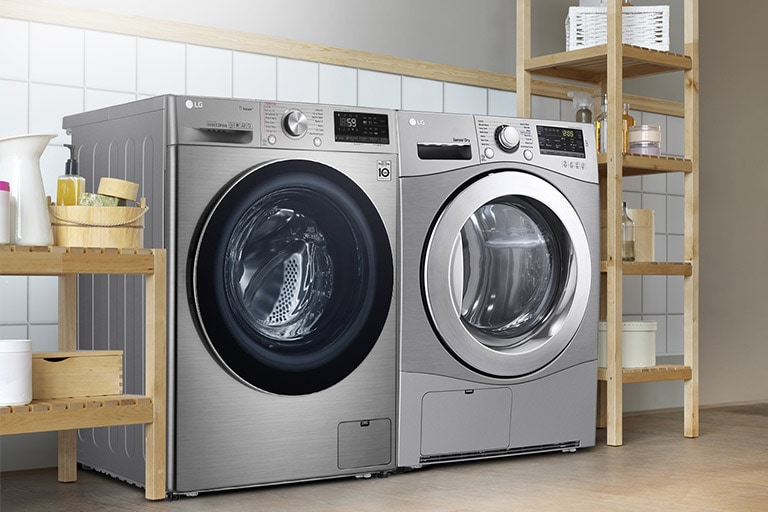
(440,292)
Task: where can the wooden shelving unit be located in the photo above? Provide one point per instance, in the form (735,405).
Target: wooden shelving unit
(605,67)
(65,415)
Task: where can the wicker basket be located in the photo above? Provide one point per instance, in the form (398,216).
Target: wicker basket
(641,26)
(119,227)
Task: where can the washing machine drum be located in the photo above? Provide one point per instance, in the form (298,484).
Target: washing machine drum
(292,277)
(507,274)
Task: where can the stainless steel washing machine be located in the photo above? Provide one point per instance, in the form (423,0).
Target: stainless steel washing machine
(279,220)
(499,305)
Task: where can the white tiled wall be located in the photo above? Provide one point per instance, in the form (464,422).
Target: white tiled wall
(47,72)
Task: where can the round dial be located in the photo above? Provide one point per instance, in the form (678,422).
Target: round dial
(295,123)
(507,138)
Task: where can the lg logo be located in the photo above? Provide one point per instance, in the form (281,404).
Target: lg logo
(193,104)
(416,122)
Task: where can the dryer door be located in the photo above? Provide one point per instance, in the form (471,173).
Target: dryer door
(292,277)
(507,274)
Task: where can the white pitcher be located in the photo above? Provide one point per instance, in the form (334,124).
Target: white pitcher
(20,166)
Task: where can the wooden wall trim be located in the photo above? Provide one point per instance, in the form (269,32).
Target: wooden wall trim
(45,12)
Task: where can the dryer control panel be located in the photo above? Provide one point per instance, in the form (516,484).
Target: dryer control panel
(568,148)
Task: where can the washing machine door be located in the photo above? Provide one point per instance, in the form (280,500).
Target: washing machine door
(506,275)
(292,277)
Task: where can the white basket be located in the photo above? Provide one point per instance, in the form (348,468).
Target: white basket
(641,26)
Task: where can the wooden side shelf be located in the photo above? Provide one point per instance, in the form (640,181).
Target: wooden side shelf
(652,268)
(46,415)
(603,69)
(590,64)
(657,373)
(66,415)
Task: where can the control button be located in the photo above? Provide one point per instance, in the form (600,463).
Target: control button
(507,138)
(272,140)
(295,123)
(489,153)
(528,154)
(317,141)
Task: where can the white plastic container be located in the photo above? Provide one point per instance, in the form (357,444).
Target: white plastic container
(638,347)
(645,139)
(5,212)
(15,372)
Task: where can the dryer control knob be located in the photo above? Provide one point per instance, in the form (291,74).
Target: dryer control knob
(507,138)
(295,123)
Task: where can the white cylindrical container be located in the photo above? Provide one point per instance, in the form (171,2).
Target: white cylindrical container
(15,372)
(638,347)
(5,212)
(645,139)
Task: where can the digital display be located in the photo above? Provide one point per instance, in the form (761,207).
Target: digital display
(361,127)
(561,141)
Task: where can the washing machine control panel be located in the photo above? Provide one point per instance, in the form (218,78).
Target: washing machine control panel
(308,126)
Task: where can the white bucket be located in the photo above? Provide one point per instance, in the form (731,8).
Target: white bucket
(15,372)
(638,347)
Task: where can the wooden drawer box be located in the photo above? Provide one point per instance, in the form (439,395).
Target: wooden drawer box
(78,373)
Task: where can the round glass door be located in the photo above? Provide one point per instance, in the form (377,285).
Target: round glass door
(292,277)
(507,274)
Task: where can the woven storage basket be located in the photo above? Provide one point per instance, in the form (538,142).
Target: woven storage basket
(641,26)
(119,227)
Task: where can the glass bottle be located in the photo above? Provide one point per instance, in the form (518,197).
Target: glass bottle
(601,127)
(70,185)
(627,235)
(626,122)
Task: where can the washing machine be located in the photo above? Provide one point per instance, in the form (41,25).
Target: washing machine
(499,302)
(279,222)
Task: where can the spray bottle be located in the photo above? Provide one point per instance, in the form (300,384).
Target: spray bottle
(581,104)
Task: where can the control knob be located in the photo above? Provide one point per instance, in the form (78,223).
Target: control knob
(295,123)
(507,138)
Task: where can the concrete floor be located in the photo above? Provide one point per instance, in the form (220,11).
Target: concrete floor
(656,469)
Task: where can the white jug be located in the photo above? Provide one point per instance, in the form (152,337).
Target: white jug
(20,166)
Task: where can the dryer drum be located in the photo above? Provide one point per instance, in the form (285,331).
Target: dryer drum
(292,277)
(513,254)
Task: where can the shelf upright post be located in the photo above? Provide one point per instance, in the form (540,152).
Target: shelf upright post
(691,282)
(67,439)
(523,79)
(613,87)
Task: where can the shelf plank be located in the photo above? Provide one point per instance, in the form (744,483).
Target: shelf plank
(52,261)
(640,165)
(652,268)
(48,415)
(659,373)
(591,64)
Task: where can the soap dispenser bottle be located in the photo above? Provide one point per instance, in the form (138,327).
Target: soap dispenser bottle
(70,184)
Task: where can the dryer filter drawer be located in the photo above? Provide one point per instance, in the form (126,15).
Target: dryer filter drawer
(472,420)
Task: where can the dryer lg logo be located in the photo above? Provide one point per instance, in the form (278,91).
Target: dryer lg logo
(416,122)
(193,104)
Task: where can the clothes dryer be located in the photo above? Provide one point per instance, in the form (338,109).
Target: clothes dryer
(279,221)
(499,304)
